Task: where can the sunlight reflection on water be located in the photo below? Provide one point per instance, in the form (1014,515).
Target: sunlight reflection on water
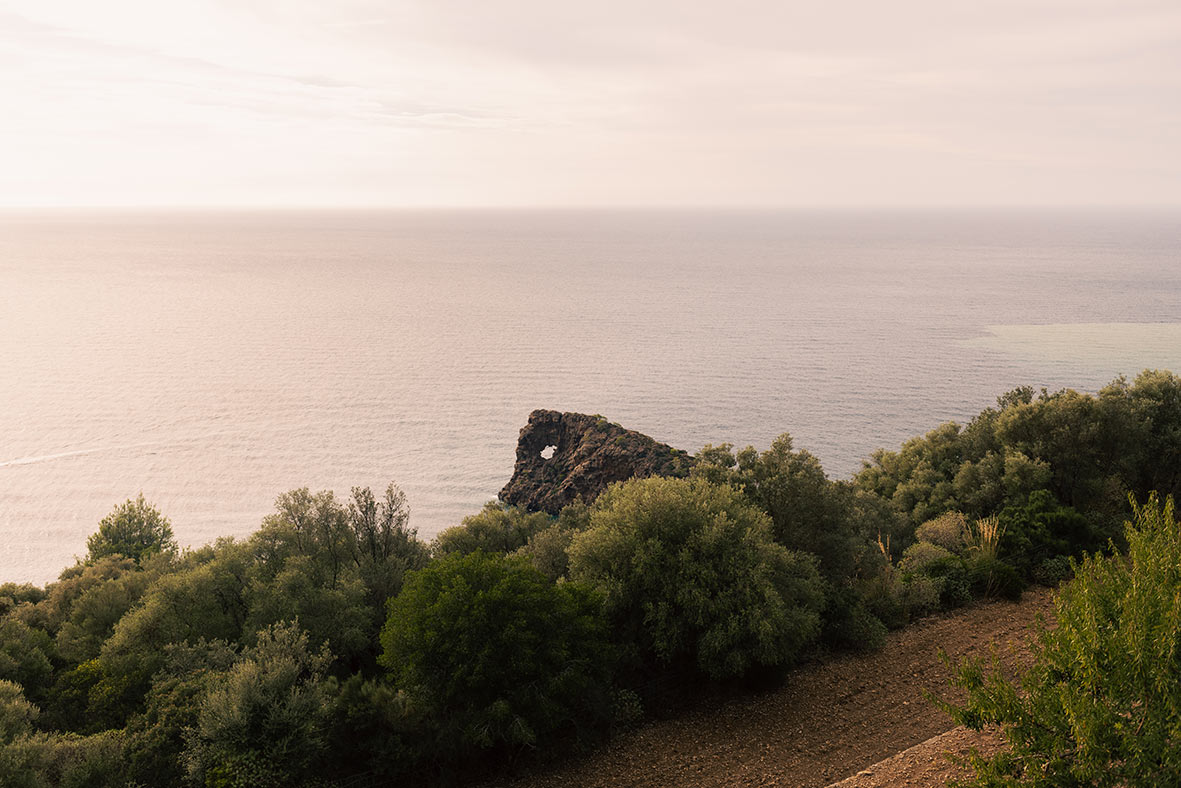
(1125,346)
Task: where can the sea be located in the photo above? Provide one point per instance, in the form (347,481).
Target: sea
(213,360)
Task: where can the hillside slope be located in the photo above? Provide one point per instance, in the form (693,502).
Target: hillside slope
(926,765)
(830,720)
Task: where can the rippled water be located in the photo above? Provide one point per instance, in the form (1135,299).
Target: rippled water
(215,360)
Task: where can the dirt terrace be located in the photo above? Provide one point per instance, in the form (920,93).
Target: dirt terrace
(829,722)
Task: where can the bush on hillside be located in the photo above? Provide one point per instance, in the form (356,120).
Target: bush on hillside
(501,658)
(24,657)
(808,512)
(949,531)
(496,529)
(1041,529)
(1100,704)
(261,723)
(692,576)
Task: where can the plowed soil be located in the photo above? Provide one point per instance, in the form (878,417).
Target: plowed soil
(926,765)
(830,721)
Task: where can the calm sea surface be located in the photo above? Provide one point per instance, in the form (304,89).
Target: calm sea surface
(213,361)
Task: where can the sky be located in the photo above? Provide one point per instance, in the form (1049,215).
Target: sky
(743,103)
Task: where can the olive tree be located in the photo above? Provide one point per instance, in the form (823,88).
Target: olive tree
(502,657)
(135,529)
(691,573)
(261,723)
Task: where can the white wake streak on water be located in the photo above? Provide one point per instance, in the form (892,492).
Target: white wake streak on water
(76,453)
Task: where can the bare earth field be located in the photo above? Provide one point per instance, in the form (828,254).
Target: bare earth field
(853,719)
(925,765)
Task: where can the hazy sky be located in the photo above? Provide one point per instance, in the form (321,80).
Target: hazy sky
(633,102)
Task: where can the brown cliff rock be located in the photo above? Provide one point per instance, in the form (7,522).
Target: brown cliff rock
(590,453)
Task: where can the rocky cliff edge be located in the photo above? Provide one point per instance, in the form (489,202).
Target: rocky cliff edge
(563,457)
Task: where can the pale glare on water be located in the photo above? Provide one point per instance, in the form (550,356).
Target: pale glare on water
(213,361)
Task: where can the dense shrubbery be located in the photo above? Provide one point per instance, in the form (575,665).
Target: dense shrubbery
(333,645)
(1100,704)
(1087,452)
(691,575)
(496,529)
(832,521)
(498,658)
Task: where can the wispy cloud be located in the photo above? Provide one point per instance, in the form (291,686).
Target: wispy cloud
(912,102)
(348,23)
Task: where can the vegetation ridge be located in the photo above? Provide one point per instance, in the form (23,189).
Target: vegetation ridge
(333,647)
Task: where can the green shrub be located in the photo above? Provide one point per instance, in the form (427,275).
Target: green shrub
(691,575)
(17,715)
(496,529)
(1053,571)
(103,593)
(379,731)
(24,657)
(934,577)
(849,623)
(502,658)
(44,760)
(992,577)
(808,512)
(949,531)
(13,595)
(955,588)
(261,723)
(156,737)
(920,595)
(1100,705)
(881,593)
(626,709)
(1042,528)
(548,549)
(920,555)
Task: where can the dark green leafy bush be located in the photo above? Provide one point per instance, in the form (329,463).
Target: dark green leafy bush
(990,577)
(1053,571)
(381,732)
(156,737)
(882,597)
(501,658)
(691,574)
(24,657)
(1041,529)
(808,512)
(64,760)
(955,588)
(849,623)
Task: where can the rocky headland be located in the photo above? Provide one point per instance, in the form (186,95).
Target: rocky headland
(564,457)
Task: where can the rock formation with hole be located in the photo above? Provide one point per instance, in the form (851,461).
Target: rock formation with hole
(589,454)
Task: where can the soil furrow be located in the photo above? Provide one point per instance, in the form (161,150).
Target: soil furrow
(829,721)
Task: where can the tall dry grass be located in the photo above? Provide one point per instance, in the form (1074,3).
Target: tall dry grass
(985,536)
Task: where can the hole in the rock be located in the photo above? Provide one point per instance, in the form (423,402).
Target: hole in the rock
(548,452)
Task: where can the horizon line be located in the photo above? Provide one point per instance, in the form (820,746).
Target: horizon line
(594,207)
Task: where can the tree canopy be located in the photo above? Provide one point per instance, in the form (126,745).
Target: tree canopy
(690,572)
(502,657)
(135,529)
(332,645)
